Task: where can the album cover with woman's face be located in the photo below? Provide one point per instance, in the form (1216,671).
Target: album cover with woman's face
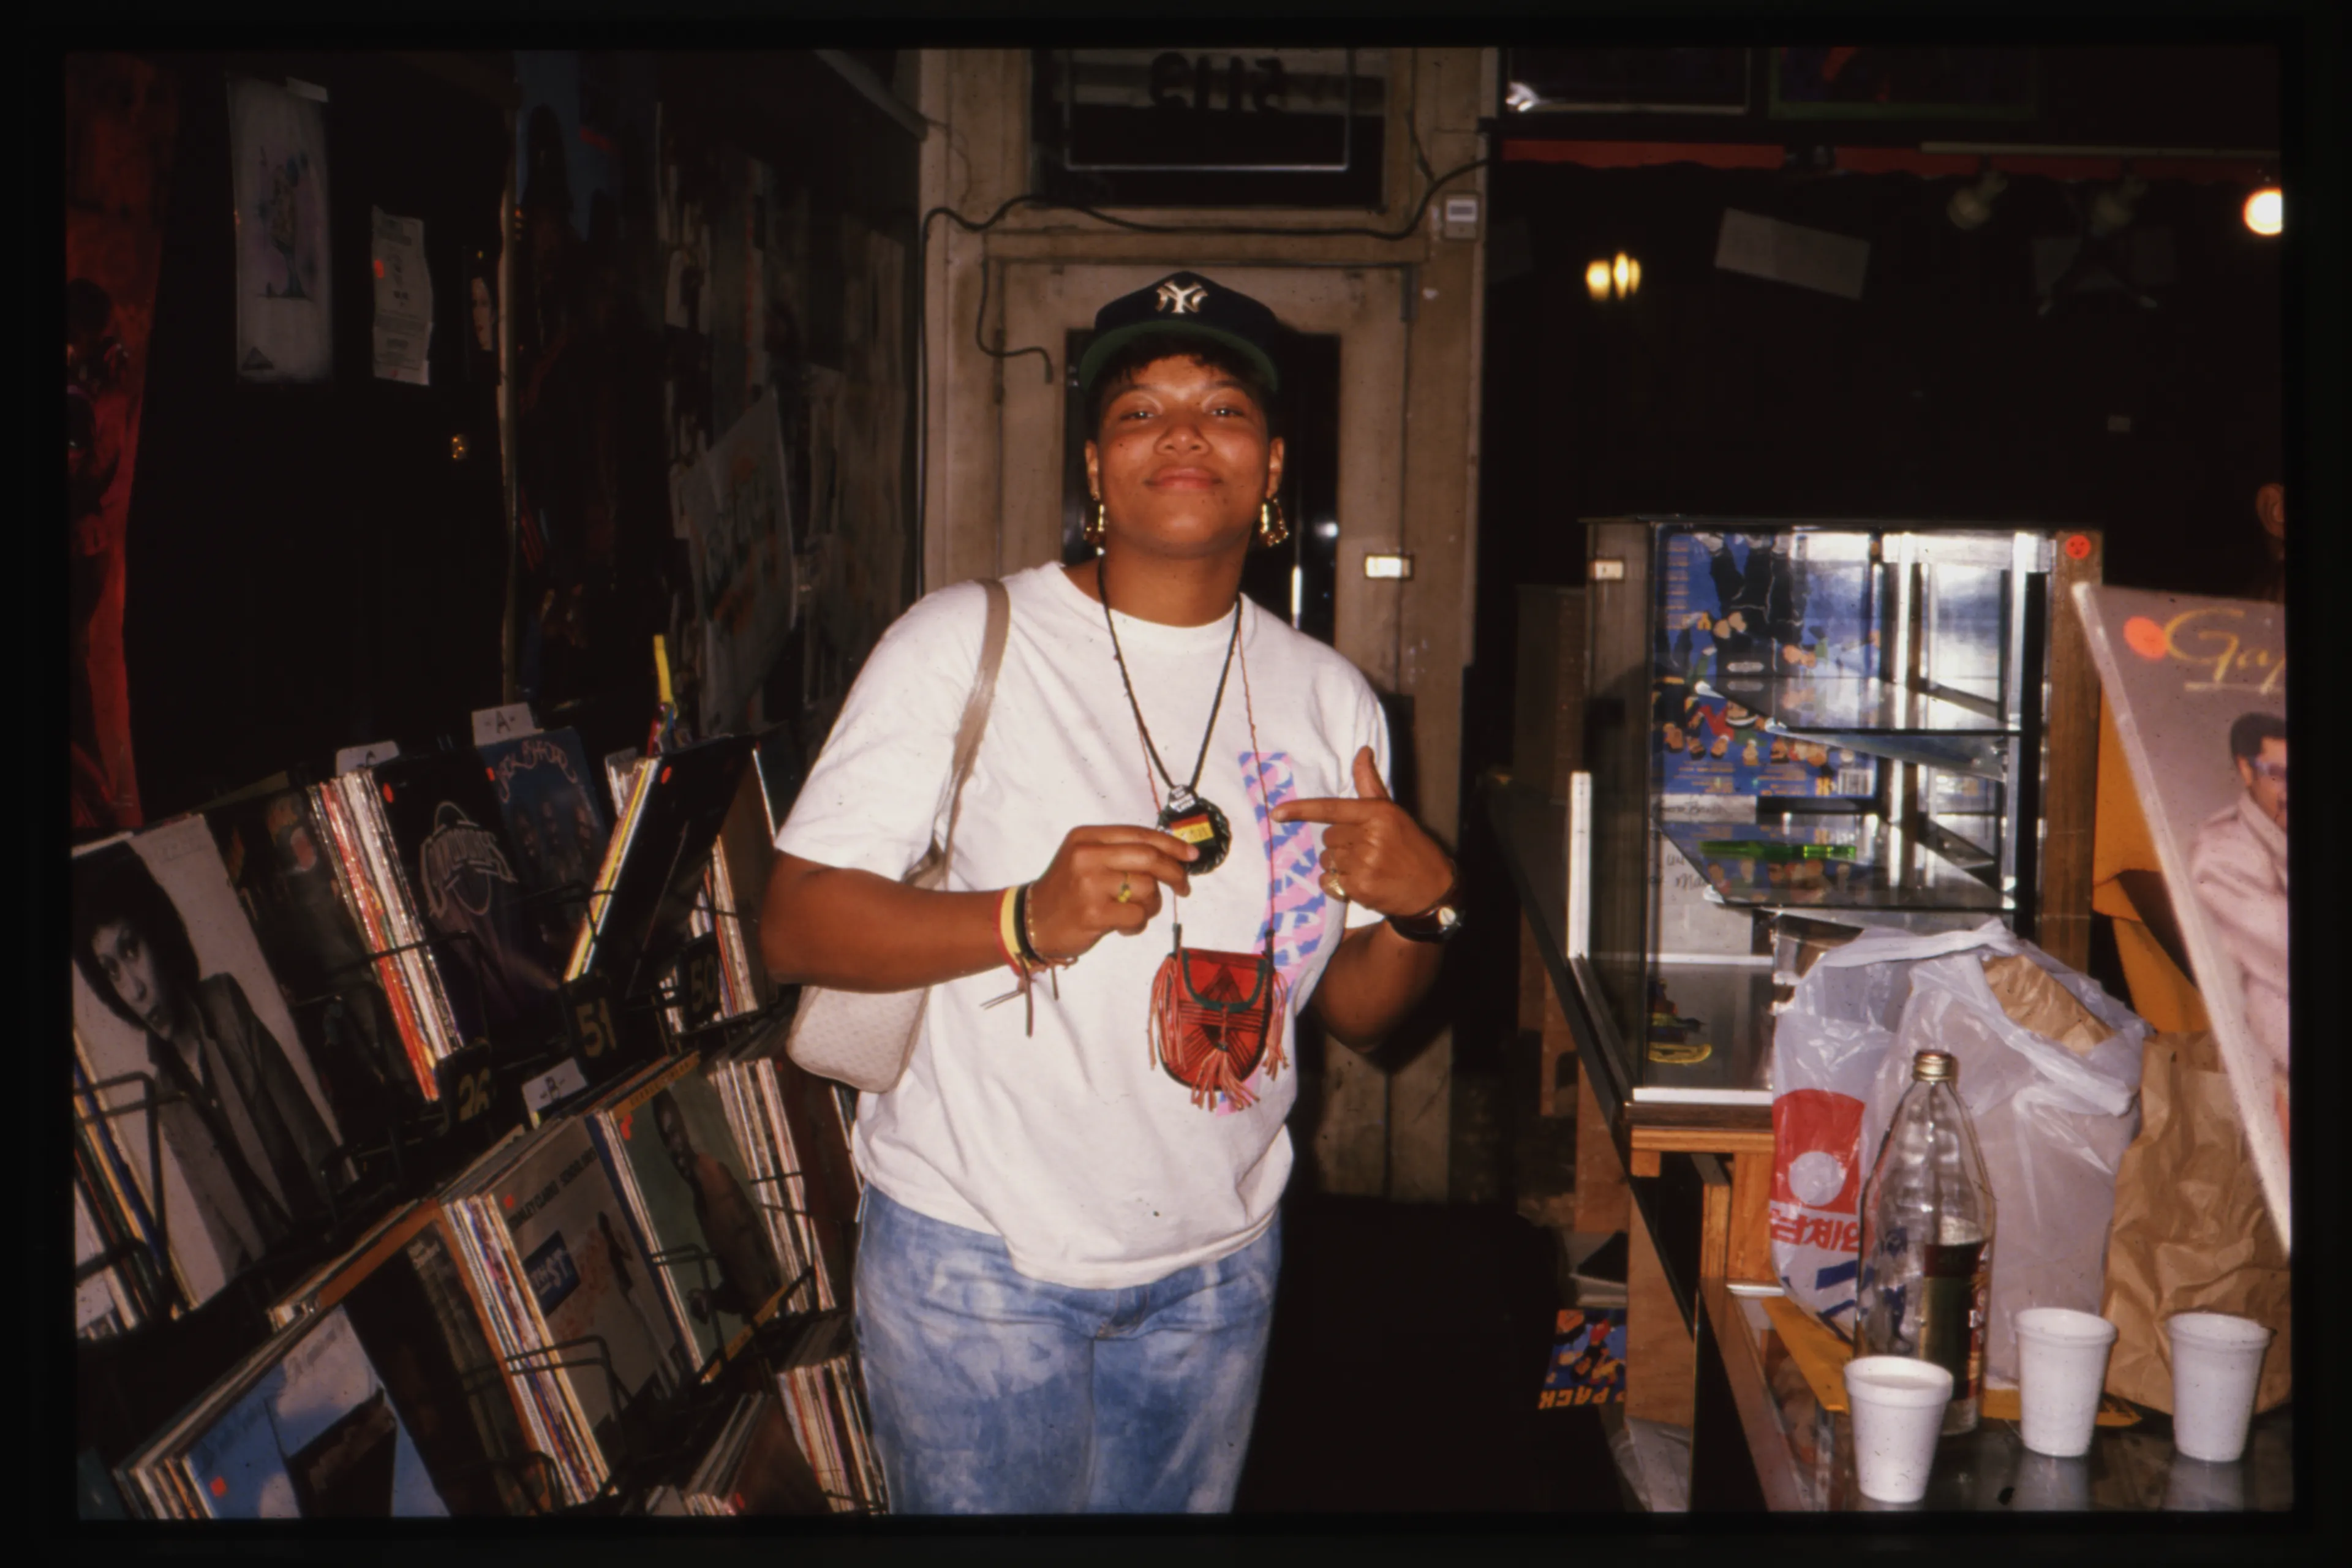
(177,1013)
(449,837)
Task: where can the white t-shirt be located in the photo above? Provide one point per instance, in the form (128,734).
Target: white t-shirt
(1092,1163)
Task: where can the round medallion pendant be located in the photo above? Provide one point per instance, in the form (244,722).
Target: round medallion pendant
(1200,823)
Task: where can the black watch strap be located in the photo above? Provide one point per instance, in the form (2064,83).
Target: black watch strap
(1436,923)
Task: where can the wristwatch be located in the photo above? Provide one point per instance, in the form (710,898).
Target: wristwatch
(1436,923)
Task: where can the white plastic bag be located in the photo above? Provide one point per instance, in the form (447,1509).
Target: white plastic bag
(2053,1124)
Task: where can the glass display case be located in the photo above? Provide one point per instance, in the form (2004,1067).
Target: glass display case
(1796,729)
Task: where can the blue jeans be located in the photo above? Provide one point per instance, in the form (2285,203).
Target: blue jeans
(995,1393)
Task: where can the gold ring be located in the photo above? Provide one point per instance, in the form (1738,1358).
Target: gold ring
(1339,889)
(1125,892)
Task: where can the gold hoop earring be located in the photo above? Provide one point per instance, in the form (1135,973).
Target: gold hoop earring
(1098,526)
(1273,528)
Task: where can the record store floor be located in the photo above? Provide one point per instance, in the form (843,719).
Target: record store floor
(1409,1347)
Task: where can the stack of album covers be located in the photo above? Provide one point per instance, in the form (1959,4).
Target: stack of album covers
(665,1140)
(789,1125)
(114,1287)
(123,1268)
(411,1306)
(827,1410)
(739,882)
(574,1306)
(305,1427)
(656,867)
(213,1141)
(751,1467)
(372,1042)
(408,972)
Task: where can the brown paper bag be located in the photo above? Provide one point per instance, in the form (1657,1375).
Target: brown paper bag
(2191,1233)
(2033,998)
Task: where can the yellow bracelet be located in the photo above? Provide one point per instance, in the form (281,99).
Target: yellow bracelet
(1008,931)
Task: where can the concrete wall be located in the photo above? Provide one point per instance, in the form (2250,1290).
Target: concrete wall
(1382,1123)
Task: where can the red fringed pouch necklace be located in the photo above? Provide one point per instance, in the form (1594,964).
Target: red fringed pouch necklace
(1216,1016)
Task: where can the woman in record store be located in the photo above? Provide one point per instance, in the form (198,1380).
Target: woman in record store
(1175,834)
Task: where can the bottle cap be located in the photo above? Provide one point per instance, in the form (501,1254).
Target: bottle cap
(1935,1067)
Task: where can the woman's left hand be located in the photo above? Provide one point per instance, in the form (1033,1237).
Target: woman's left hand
(1374,853)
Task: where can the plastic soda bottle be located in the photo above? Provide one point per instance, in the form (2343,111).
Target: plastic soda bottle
(1927,1238)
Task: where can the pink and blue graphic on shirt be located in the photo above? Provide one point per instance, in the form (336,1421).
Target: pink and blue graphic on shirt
(1302,914)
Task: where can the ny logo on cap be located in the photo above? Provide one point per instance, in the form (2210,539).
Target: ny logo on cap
(1182,299)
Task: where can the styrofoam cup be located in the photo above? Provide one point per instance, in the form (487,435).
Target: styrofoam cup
(2061,1364)
(2217,1360)
(1897,1404)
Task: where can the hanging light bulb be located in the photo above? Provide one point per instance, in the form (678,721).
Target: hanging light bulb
(1596,279)
(1972,206)
(2266,211)
(1617,274)
(1633,276)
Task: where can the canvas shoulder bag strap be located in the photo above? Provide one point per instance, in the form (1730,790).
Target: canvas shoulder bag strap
(976,706)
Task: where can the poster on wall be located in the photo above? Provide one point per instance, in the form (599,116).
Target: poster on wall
(403,298)
(739,533)
(285,284)
(2198,688)
(120,117)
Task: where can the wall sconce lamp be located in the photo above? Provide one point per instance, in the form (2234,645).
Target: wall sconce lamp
(1972,206)
(1617,279)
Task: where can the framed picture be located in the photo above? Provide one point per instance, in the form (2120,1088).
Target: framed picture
(1924,82)
(1626,81)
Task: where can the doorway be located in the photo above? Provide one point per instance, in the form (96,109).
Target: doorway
(1343,384)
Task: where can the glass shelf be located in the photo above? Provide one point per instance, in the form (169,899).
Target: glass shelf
(1865,714)
(1847,869)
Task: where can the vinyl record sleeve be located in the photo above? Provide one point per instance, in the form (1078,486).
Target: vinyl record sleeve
(169,982)
(548,798)
(282,865)
(568,1234)
(2189,678)
(348,812)
(315,1436)
(451,843)
(668,1140)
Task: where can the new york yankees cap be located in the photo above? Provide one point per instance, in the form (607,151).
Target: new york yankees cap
(1185,303)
